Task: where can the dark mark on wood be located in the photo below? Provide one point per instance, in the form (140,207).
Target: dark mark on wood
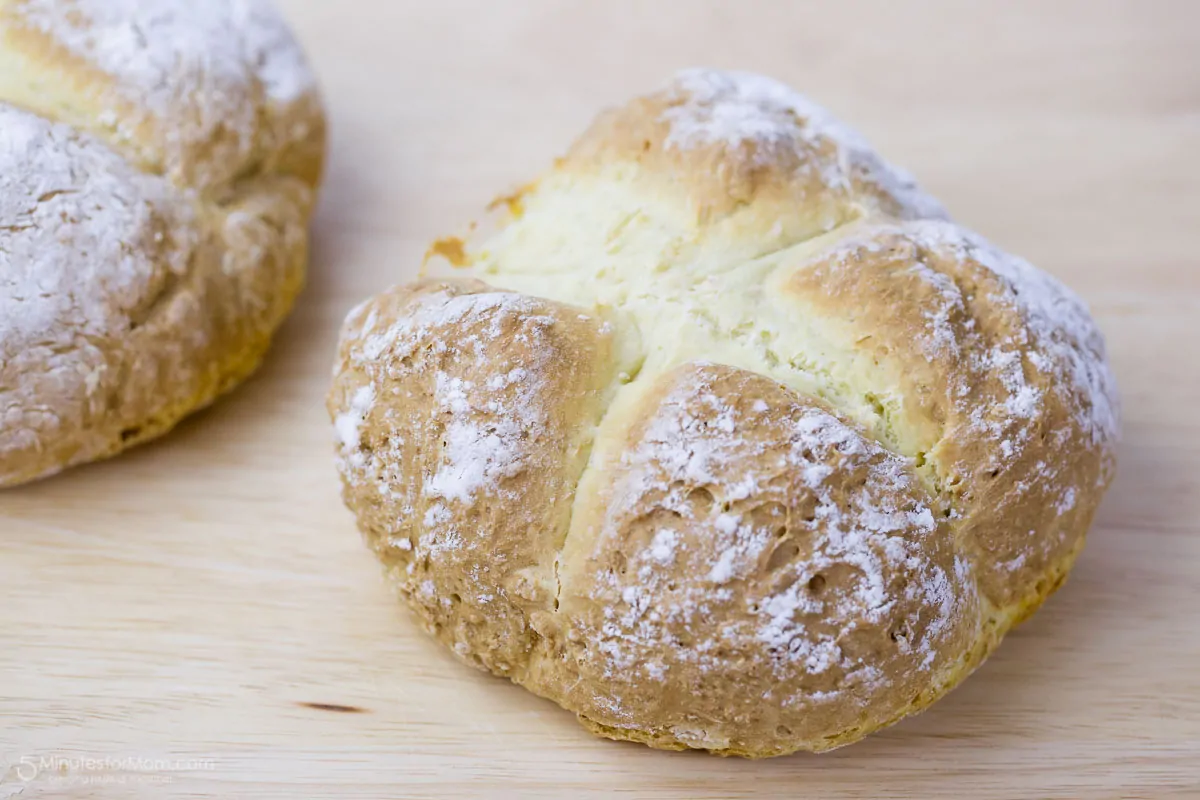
(334,707)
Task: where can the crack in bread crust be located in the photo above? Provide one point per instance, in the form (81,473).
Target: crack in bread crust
(160,163)
(838,445)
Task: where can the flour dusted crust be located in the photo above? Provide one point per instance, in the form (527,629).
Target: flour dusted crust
(158,165)
(732,441)
(478,392)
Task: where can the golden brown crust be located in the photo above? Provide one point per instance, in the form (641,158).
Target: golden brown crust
(464,417)
(715,170)
(994,402)
(161,161)
(748,537)
(732,141)
(205,93)
(838,445)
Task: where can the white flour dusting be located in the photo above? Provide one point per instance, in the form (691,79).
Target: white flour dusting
(736,108)
(81,253)
(1059,338)
(688,447)
(475,432)
(476,456)
(662,547)
(348,423)
(1067,343)
(196,70)
(158,49)
(63,194)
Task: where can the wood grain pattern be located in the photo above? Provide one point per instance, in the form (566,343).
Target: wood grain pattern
(206,602)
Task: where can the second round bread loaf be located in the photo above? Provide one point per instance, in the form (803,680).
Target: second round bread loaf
(159,161)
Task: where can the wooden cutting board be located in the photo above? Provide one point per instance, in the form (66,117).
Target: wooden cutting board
(199,617)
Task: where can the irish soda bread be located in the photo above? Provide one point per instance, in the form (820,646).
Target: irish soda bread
(731,441)
(158,163)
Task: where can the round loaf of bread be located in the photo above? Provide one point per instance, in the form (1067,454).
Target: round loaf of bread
(158,165)
(731,440)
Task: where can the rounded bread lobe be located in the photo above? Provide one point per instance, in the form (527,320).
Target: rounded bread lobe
(849,444)
(91,250)
(735,138)
(158,162)
(205,92)
(749,538)
(715,169)
(462,416)
(990,373)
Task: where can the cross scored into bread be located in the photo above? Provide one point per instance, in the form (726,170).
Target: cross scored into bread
(731,441)
(158,164)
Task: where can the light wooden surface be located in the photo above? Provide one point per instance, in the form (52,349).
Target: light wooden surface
(187,600)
